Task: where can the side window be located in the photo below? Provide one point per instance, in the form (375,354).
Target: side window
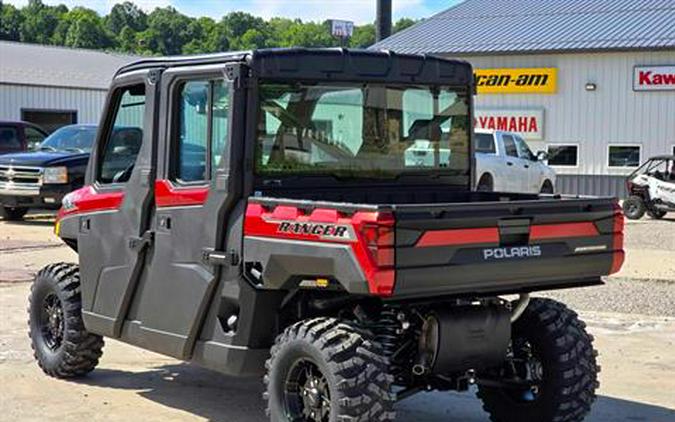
(485,143)
(202,129)
(124,139)
(221,109)
(9,139)
(510,146)
(523,149)
(33,137)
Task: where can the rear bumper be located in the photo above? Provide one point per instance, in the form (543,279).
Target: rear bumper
(503,278)
(45,196)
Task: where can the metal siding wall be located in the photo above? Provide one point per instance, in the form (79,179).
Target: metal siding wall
(614,113)
(597,185)
(87,103)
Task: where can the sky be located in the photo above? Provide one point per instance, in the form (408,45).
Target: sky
(359,11)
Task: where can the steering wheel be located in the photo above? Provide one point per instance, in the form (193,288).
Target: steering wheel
(124,175)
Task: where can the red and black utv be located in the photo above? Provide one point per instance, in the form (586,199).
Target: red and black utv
(269,224)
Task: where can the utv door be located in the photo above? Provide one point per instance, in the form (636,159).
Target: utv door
(193,199)
(111,242)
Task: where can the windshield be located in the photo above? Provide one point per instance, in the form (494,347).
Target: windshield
(362,131)
(70,139)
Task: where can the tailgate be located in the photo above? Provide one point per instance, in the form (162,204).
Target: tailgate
(506,247)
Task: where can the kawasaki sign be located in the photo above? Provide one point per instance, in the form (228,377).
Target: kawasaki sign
(654,78)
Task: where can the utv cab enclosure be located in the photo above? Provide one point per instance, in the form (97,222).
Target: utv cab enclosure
(270,224)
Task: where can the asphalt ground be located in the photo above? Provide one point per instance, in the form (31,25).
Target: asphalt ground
(632,318)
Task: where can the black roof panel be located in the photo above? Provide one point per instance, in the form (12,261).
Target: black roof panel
(330,64)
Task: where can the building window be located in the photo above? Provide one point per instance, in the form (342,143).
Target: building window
(624,155)
(563,155)
(49,120)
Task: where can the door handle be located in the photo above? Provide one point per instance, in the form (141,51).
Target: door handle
(527,166)
(508,163)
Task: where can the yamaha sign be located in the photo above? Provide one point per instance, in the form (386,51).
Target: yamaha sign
(654,78)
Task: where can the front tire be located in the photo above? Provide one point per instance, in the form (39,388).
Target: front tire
(634,207)
(61,345)
(13,214)
(326,370)
(560,361)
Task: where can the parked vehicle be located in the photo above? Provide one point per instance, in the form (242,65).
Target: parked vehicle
(651,189)
(19,136)
(505,163)
(40,178)
(299,244)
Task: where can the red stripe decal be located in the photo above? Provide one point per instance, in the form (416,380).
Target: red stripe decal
(453,237)
(559,231)
(167,195)
(87,199)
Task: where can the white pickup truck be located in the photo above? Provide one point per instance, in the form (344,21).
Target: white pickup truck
(504,163)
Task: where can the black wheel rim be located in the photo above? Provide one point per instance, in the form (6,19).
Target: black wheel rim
(51,322)
(632,209)
(306,393)
(525,366)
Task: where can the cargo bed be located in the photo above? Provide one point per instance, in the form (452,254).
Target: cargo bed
(496,244)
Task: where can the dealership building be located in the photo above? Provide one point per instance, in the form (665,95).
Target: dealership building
(54,86)
(591,82)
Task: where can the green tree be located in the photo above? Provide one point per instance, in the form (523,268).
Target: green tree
(167,31)
(11,20)
(126,40)
(40,21)
(364,36)
(86,29)
(402,24)
(126,14)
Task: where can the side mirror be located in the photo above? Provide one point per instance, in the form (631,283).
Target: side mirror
(542,155)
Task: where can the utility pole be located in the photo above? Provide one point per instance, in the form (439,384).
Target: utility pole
(383,20)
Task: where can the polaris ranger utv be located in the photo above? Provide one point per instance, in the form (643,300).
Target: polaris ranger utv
(270,224)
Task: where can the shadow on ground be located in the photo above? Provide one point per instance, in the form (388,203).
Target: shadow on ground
(219,398)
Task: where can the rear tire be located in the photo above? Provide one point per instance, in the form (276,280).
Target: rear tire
(567,372)
(13,214)
(656,214)
(61,345)
(324,369)
(634,208)
(486,184)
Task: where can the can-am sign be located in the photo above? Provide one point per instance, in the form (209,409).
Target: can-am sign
(541,80)
(529,123)
(654,78)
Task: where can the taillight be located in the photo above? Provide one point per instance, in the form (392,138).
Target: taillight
(376,231)
(619,255)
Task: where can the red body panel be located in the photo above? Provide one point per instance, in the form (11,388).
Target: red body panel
(262,222)
(166,195)
(87,199)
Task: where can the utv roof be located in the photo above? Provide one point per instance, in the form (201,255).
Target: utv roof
(662,157)
(328,63)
